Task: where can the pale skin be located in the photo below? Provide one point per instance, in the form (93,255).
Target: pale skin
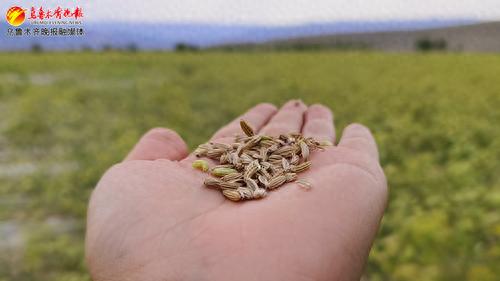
(150,217)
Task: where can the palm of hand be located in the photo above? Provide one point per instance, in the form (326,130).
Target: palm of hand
(154,220)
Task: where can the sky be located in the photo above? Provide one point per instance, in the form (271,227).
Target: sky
(272,12)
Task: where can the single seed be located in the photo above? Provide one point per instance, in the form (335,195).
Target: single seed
(231,194)
(232,176)
(201,165)
(220,172)
(211,181)
(295,159)
(275,157)
(222,146)
(245,193)
(259,193)
(276,181)
(263,180)
(283,151)
(251,169)
(252,184)
(291,177)
(246,128)
(215,153)
(285,164)
(222,166)
(304,150)
(229,184)
(225,158)
(301,167)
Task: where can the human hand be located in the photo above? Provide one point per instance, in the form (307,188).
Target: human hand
(151,218)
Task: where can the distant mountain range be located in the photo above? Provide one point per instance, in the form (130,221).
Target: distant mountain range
(166,35)
(477,37)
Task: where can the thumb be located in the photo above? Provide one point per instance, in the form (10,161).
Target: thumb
(159,143)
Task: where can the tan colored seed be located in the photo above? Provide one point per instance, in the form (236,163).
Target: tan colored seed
(251,143)
(263,180)
(245,193)
(215,153)
(304,150)
(225,158)
(241,138)
(246,159)
(222,166)
(251,169)
(211,181)
(229,184)
(265,165)
(295,159)
(283,151)
(267,142)
(275,157)
(259,193)
(276,181)
(301,167)
(291,177)
(232,176)
(246,128)
(222,146)
(231,194)
(252,184)
(285,164)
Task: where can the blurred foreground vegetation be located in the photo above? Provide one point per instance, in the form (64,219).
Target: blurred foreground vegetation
(65,118)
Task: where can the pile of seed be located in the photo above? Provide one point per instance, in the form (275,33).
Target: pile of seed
(255,164)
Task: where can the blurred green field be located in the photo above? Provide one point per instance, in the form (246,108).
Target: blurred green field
(65,118)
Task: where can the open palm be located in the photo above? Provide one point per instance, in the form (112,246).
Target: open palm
(151,218)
